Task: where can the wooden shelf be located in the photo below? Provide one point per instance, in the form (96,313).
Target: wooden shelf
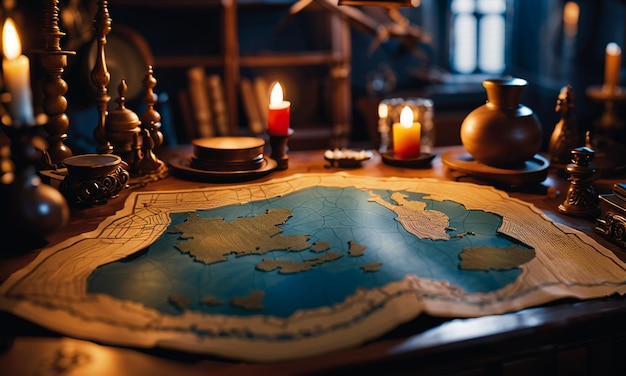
(292,59)
(337,58)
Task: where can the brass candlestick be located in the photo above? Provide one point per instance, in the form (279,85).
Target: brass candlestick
(101,77)
(607,138)
(609,121)
(279,147)
(54,61)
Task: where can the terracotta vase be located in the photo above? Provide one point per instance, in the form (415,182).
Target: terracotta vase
(502,132)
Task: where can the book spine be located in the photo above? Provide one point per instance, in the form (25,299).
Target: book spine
(261,88)
(250,106)
(200,104)
(216,95)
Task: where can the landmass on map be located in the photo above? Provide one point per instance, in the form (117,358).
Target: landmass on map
(372,266)
(210,240)
(497,258)
(179,301)
(211,301)
(320,246)
(356,249)
(253,302)
(288,266)
(413,216)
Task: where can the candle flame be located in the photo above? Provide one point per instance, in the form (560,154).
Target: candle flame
(406,117)
(571,13)
(11,45)
(276,97)
(613,49)
(383,111)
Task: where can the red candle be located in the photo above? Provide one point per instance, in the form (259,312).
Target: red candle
(279,112)
(406,136)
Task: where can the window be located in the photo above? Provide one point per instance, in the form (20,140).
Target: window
(478,36)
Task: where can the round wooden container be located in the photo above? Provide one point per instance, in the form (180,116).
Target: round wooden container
(237,153)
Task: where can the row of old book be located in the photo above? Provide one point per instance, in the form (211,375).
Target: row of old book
(204,108)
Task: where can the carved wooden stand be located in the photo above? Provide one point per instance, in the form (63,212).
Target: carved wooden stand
(279,147)
(54,61)
(101,77)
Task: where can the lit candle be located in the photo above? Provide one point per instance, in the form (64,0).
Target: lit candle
(612,67)
(279,112)
(571,13)
(16,70)
(406,136)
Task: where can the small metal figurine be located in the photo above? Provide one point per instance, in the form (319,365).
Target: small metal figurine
(148,163)
(581,199)
(565,136)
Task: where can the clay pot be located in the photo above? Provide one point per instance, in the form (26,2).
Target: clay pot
(502,132)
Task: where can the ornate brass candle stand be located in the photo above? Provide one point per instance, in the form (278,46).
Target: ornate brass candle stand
(278,143)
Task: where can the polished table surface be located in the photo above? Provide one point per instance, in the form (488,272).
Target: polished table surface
(427,343)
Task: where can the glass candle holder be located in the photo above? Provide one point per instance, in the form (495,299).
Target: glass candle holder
(423,112)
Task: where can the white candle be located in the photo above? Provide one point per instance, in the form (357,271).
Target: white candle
(16,71)
(612,66)
(383,127)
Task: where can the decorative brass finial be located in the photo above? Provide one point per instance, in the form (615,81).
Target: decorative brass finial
(54,61)
(101,77)
(122,129)
(150,115)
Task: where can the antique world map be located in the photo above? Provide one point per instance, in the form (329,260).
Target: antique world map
(304,265)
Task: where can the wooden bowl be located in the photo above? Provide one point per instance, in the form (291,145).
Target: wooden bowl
(238,153)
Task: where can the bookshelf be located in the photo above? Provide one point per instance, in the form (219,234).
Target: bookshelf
(230,62)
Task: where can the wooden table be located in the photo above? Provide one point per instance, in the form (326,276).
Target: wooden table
(568,335)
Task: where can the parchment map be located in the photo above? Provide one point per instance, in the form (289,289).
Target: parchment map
(304,265)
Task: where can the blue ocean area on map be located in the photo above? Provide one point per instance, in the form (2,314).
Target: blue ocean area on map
(336,216)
